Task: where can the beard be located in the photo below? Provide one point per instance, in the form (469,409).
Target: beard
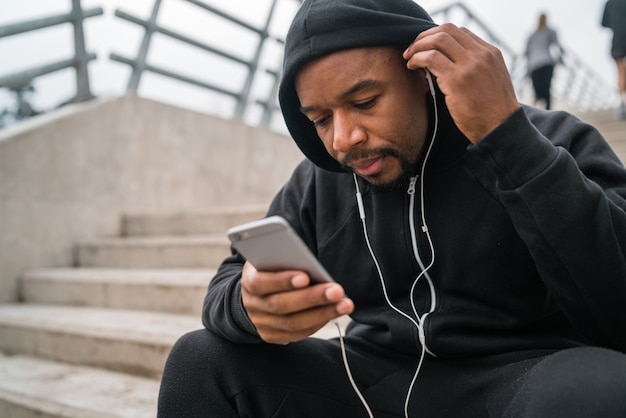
(407,168)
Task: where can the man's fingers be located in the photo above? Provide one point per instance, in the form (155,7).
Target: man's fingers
(294,327)
(476,38)
(446,39)
(284,306)
(439,48)
(264,283)
(285,303)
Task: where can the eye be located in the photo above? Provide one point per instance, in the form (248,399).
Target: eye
(367,104)
(321,121)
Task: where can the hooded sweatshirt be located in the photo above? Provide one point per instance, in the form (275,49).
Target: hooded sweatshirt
(525,231)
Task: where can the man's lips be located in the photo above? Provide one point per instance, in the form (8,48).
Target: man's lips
(368,167)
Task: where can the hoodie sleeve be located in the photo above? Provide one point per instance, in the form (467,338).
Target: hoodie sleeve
(223,312)
(565,191)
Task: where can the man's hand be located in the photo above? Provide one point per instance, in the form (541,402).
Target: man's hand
(285,308)
(472,75)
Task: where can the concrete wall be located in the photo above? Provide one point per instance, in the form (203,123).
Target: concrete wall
(70,175)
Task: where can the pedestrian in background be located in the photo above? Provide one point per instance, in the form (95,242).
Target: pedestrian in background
(614,18)
(543,52)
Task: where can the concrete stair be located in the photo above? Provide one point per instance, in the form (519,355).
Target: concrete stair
(134,342)
(203,251)
(32,387)
(613,129)
(163,290)
(91,340)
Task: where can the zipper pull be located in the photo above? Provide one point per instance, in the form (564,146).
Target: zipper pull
(412,183)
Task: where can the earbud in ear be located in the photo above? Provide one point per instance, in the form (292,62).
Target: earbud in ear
(431,85)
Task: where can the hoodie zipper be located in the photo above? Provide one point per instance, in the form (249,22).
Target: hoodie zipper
(433,296)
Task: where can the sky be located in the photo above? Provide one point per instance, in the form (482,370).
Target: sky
(577,23)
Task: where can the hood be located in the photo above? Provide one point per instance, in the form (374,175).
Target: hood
(321,27)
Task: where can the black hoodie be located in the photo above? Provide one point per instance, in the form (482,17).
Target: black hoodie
(528,226)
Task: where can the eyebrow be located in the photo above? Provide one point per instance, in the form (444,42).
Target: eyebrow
(356,88)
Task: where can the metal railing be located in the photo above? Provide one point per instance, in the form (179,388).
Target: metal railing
(575,82)
(21,83)
(139,64)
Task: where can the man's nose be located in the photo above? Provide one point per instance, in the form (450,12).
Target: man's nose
(347,132)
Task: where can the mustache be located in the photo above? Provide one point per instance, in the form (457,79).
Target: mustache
(366,154)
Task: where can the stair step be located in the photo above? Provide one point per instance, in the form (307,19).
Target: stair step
(154,252)
(35,388)
(620,150)
(600,116)
(31,387)
(614,133)
(213,221)
(611,128)
(172,291)
(133,342)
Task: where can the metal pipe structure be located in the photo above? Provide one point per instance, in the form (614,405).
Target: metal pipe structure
(79,61)
(575,82)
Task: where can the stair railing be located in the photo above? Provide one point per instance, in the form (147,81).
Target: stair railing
(139,64)
(575,82)
(20,83)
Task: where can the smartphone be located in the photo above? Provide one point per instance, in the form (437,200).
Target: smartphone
(270,244)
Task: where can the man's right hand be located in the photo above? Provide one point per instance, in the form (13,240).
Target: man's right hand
(284,306)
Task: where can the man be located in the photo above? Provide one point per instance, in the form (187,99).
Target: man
(482,263)
(614,18)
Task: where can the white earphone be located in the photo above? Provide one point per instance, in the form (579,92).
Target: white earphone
(417,321)
(431,85)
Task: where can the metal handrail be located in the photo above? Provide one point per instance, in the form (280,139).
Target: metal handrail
(79,61)
(575,82)
(139,64)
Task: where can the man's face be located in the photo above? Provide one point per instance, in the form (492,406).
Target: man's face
(368,109)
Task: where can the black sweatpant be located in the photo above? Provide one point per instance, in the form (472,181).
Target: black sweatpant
(207,376)
(542,82)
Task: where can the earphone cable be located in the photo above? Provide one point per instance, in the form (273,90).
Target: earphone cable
(417,322)
(344,355)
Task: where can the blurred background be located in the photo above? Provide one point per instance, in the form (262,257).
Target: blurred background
(250,31)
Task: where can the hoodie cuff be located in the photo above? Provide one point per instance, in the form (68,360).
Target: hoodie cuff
(240,316)
(516,151)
